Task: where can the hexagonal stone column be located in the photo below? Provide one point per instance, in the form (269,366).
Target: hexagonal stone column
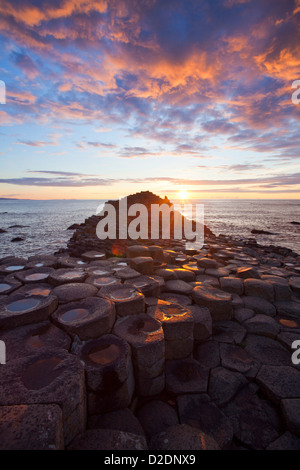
(65,276)
(149,286)
(34,275)
(51,376)
(127,299)
(88,318)
(146,338)
(178,326)
(109,373)
(218,302)
(17,310)
(142,264)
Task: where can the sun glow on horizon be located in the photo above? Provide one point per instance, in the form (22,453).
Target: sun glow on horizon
(182,194)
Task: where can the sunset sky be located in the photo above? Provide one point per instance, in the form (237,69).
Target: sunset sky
(106,98)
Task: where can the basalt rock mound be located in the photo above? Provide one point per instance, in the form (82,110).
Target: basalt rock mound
(85,238)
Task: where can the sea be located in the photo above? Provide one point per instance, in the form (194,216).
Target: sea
(43,224)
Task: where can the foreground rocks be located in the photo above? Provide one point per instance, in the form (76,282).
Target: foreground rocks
(164,348)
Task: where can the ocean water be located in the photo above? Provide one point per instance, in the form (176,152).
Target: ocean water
(44,223)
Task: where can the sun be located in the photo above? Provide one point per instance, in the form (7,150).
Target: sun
(182,194)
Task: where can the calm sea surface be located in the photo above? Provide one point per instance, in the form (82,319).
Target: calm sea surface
(44,223)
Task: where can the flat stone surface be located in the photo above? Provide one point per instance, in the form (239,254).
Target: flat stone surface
(157,416)
(267,351)
(178,287)
(52,376)
(127,299)
(279,382)
(250,421)
(235,358)
(232,285)
(208,354)
(260,306)
(288,308)
(183,300)
(29,339)
(224,384)
(31,427)
(108,439)
(228,332)
(186,376)
(242,314)
(183,437)
(146,284)
(259,288)
(197,411)
(74,291)
(262,325)
(88,318)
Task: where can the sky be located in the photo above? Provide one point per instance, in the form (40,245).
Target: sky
(105,98)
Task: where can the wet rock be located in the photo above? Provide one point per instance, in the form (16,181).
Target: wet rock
(108,439)
(126,273)
(93,256)
(183,437)
(218,302)
(167,274)
(224,385)
(206,263)
(243,314)
(235,358)
(259,288)
(197,411)
(186,376)
(288,308)
(261,232)
(185,274)
(88,318)
(103,281)
(156,416)
(22,427)
(8,284)
(228,332)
